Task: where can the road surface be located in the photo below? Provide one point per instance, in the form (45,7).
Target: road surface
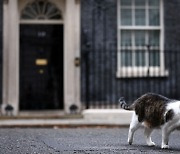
(80,141)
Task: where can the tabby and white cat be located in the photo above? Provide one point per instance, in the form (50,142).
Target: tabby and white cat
(152,111)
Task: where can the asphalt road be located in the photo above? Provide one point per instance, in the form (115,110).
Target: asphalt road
(80,141)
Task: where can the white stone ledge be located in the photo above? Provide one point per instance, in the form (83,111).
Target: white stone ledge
(111,116)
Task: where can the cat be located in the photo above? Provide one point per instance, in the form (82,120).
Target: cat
(153,111)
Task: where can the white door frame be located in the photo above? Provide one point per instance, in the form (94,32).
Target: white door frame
(11,22)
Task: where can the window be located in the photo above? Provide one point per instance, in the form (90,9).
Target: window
(41,10)
(140,38)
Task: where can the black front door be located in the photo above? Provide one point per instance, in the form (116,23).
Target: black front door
(41,67)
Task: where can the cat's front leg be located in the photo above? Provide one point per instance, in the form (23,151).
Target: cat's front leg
(165,138)
(166,131)
(164,144)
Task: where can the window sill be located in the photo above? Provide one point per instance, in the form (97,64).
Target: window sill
(136,72)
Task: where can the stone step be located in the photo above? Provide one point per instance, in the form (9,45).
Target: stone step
(114,116)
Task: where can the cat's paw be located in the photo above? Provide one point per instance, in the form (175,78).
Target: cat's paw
(151,144)
(130,142)
(164,146)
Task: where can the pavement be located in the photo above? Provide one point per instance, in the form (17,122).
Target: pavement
(92,132)
(81,141)
(90,118)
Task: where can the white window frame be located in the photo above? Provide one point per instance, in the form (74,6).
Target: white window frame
(141,71)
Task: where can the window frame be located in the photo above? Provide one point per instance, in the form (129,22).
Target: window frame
(40,21)
(141,71)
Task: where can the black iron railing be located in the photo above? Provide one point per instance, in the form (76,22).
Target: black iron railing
(104,79)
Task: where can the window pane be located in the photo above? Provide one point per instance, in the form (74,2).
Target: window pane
(126,2)
(140,38)
(126,58)
(41,10)
(140,2)
(126,38)
(126,17)
(139,16)
(154,58)
(153,2)
(154,17)
(154,38)
(140,58)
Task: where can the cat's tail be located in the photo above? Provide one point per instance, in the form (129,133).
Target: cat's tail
(124,105)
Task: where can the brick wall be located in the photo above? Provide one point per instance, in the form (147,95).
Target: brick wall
(99,43)
(172,23)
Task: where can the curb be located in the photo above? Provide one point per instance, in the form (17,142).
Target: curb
(89,118)
(39,123)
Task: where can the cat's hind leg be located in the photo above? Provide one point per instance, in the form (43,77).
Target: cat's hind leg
(147,134)
(134,125)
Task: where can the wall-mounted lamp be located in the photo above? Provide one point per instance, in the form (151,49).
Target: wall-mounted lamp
(77,1)
(6,1)
(77,61)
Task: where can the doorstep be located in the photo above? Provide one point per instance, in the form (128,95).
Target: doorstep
(110,116)
(47,114)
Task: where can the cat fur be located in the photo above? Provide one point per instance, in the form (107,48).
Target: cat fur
(153,111)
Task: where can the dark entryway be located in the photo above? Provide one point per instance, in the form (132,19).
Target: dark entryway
(41,67)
